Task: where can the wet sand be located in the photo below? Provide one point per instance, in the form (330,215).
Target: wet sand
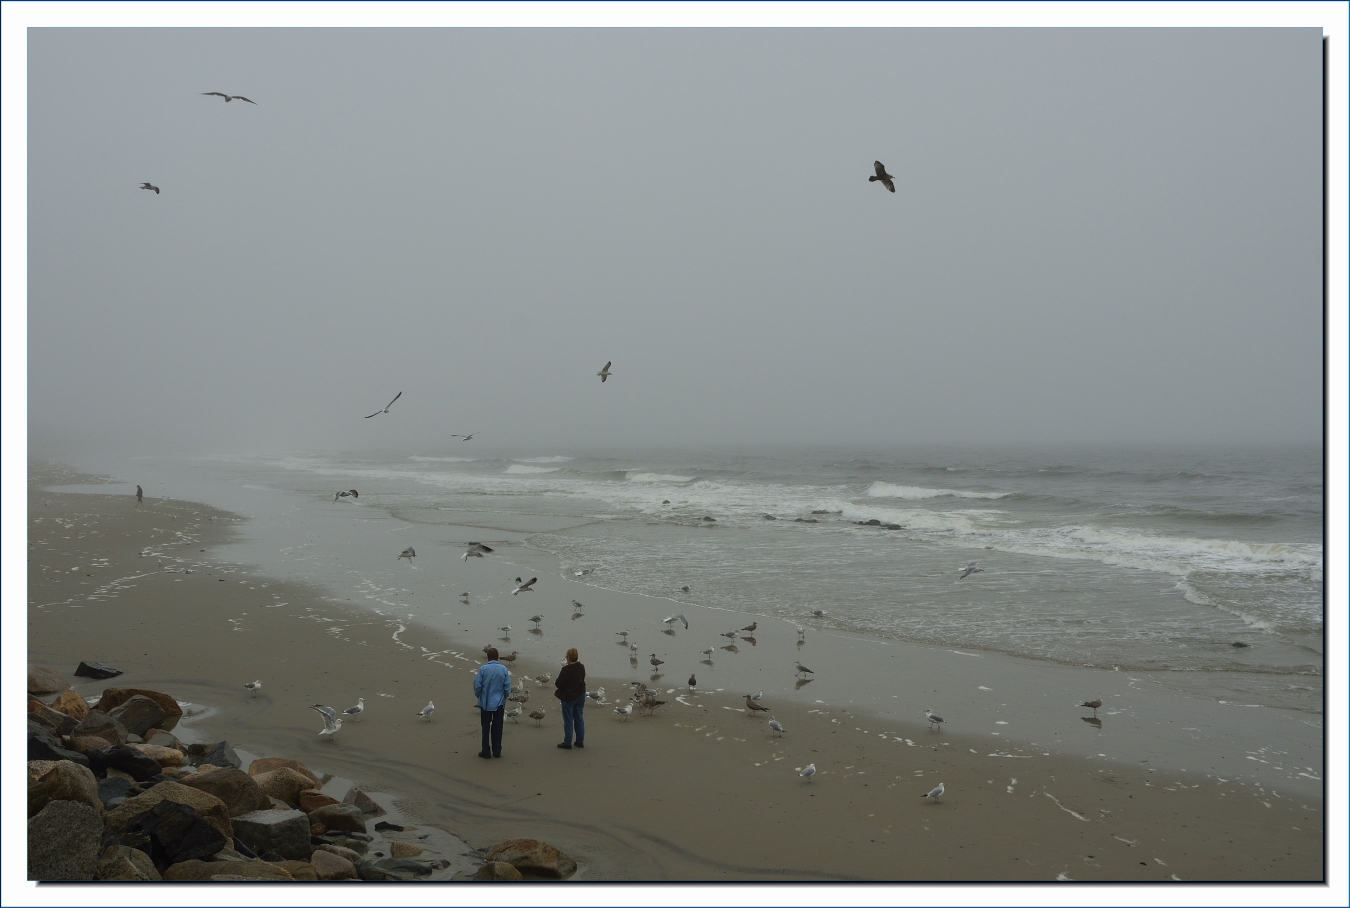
(699,791)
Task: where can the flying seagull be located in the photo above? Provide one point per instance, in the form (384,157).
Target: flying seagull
(386,406)
(1093,705)
(605,373)
(808,772)
(427,710)
(523,587)
(882,176)
(350,493)
(253,687)
(934,721)
(356,710)
(229,98)
(673,618)
(476,550)
(936,793)
(408,553)
(331,721)
(148,186)
(468,437)
(972,567)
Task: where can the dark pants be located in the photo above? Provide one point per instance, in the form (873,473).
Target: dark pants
(492,724)
(571,715)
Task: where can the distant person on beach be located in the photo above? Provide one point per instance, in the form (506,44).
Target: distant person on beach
(492,684)
(139,496)
(571,690)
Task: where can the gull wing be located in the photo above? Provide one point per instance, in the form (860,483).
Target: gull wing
(391,403)
(880,169)
(242,98)
(888,184)
(684,620)
(218,94)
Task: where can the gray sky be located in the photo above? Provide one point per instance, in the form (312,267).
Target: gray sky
(1097,236)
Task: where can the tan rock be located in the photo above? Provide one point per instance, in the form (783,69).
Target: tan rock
(317,829)
(39,768)
(329,866)
(205,870)
(284,783)
(114,697)
(534,857)
(66,781)
(120,862)
(164,756)
(404,850)
(98,724)
(341,852)
(299,870)
(120,773)
(85,743)
(211,808)
(43,680)
(312,799)
(497,870)
(339,817)
(267,764)
(236,788)
(72,704)
(363,801)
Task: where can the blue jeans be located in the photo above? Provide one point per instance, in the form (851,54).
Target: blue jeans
(571,712)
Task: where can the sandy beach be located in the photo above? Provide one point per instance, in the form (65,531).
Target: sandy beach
(698,791)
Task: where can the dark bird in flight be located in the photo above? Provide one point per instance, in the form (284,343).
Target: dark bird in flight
(148,186)
(885,178)
(229,98)
(386,406)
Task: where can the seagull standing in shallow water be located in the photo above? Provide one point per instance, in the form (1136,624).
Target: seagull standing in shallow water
(803,670)
(1093,705)
(934,721)
(331,720)
(253,687)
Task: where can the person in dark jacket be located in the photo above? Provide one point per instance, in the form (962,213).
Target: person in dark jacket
(571,690)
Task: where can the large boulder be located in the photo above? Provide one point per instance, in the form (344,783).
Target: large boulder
(64,842)
(312,799)
(346,853)
(267,764)
(39,768)
(218,753)
(236,788)
(534,857)
(284,784)
(45,680)
(339,818)
(55,721)
(43,745)
(113,788)
(404,850)
(96,670)
(329,866)
(285,832)
(122,862)
(299,870)
(497,870)
(363,802)
(211,808)
(165,756)
(124,757)
(65,781)
(240,870)
(164,739)
(98,724)
(138,715)
(114,697)
(175,833)
(72,704)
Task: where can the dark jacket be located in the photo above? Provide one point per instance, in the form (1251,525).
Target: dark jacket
(571,682)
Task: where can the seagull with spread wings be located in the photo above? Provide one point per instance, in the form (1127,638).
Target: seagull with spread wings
(229,98)
(605,373)
(331,720)
(468,437)
(524,587)
(882,176)
(149,186)
(476,550)
(386,406)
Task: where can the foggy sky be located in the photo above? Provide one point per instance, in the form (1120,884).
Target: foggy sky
(1100,236)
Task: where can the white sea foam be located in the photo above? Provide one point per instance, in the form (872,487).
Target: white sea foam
(917,493)
(556,458)
(523,468)
(637,476)
(419,457)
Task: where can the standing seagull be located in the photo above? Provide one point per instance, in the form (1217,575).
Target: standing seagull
(427,710)
(656,663)
(808,772)
(773,724)
(229,98)
(693,682)
(148,186)
(624,711)
(750,628)
(754,707)
(538,717)
(623,634)
(936,792)
(730,635)
(597,695)
(356,710)
(882,176)
(934,721)
(476,550)
(972,567)
(577,605)
(1093,705)
(803,670)
(253,687)
(331,721)
(386,406)
(605,373)
(408,553)
(514,714)
(523,587)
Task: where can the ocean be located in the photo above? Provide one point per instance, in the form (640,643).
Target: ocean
(1144,561)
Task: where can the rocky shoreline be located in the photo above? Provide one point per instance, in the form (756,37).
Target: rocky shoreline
(113,794)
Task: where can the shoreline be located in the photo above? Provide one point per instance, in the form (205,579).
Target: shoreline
(628,808)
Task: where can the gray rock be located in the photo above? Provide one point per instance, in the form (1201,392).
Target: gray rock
(367,870)
(58,723)
(98,671)
(112,788)
(222,754)
(138,715)
(99,724)
(45,680)
(126,758)
(121,862)
(363,802)
(284,831)
(403,865)
(162,738)
(176,833)
(339,817)
(42,745)
(63,842)
(65,781)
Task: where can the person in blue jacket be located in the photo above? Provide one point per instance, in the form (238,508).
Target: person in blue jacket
(492,684)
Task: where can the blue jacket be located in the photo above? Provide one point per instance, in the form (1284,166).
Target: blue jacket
(492,684)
